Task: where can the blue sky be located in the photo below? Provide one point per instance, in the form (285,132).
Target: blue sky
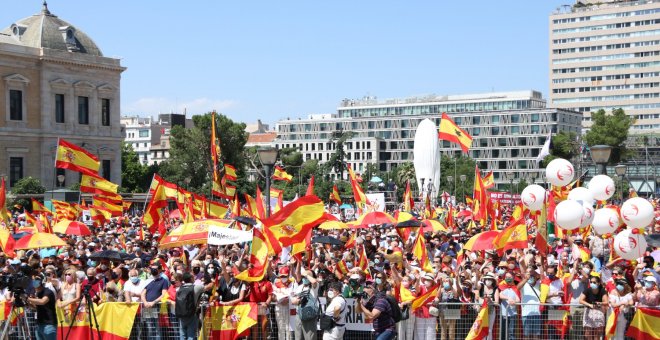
(277,59)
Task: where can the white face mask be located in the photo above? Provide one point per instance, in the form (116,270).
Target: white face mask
(331,294)
(489,284)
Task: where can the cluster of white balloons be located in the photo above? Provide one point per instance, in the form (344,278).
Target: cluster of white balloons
(578,210)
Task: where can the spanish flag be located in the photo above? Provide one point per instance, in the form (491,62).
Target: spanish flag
(342,268)
(423,299)
(404,294)
(72,157)
(420,252)
(408,202)
(258,259)
(291,223)
(351,241)
(126,205)
(169,189)
(4,214)
(250,205)
(215,209)
(451,132)
(115,320)
(334,195)
(644,325)
(261,210)
(215,146)
(310,187)
(230,172)
(231,322)
(610,325)
(39,208)
(153,212)
(99,215)
(114,209)
(7,242)
(489,180)
(97,185)
(512,237)
(360,198)
(277,193)
(479,329)
(281,175)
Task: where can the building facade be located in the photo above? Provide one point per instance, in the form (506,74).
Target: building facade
(150,137)
(606,55)
(508,130)
(56,83)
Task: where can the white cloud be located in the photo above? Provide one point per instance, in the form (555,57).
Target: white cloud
(151,106)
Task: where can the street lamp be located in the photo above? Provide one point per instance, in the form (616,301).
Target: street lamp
(509,176)
(449,180)
(60,179)
(463,178)
(620,170)
(267,157)
(600,154)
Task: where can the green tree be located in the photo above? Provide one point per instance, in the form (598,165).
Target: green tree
(564,145)
(456,167)
(610,130)
(26,186)
(133,172)
(336,161)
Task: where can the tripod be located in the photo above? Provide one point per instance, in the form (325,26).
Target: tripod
(23,328)
(91,315)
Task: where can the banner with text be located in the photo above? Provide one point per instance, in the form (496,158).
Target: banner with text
(354,321)
(221,236)
(504,197)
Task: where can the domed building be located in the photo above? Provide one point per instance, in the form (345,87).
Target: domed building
(56,83)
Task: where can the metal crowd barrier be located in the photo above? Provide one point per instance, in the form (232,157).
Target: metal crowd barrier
(454,321)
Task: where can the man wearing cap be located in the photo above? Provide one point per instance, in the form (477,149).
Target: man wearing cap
(377,309)
(282,291)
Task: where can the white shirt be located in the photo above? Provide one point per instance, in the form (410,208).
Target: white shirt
(135,289)
(298,288)
(337,301)
(530,299)
(556,286)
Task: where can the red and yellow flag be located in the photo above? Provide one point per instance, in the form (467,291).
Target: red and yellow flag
(4,214)
(259,202)
(291,223)
(215,148)
(610,325)
(404,294)
(104,203)
(258,259)
(64,210)
(230,172)
(154,211)
(408,201)
(231,322)
(39,208)
(97,185)
(488,180)
(479,329)
(72,157)
(451,132)
(115,320)
(361,199)
(7,242)
(425,298)
(169,189)
(281,175)
(99,215)
(334,195)
(644,325)
(310,187)
(512,237)
(420,252)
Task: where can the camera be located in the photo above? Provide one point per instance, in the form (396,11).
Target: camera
(17,284)
(361,296)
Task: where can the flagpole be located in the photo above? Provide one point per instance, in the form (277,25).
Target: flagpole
(146,198)
(52,190)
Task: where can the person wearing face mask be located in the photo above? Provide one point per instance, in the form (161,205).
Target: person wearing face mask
(335,310)
(425,323)
(305,288)
(133,287)
(530,289)
(152,294)
(69,291)
(595,299)
(647,294)
(509,300)
(95,285)
(449,299)
(212,281)
(282,291)
(621,297)
(261,293)
(353,287)
(378,309)
(232,290)
(487,291)
(405,293)
(198,275)
(44,302)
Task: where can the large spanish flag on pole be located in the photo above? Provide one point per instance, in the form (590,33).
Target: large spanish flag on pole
(408,202)
(358,194)
(281,174)
(290,224)
(97,185)
(449,131)
(258,259)
(72,157)
(479,329)
(420,252)
(645,325)
(512,237)
(231,322)
(334,195)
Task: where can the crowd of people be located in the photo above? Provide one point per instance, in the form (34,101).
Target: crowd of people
(510,282)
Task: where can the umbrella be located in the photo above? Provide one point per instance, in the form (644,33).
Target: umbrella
(464,213)
(195,232)
(327,240)
(653,240)
(39,240)
(409,224)
(376,179)
(481,241)
(71,228)
(401,216)
(330,225)
(433,226)
(246,220)
(345,206)
(376,217)
(111,255)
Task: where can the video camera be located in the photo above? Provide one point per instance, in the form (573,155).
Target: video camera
(17,283)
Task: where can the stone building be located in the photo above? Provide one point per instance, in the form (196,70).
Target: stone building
(56,83)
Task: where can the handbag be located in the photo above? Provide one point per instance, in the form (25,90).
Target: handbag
(405,312)
(326,323)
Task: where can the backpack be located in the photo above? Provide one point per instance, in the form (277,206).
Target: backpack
(396,313)
(309,308)
(185,301)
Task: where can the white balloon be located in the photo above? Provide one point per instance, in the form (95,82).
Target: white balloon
(581,194)
(602,186)
(629,246)
(559,172)
(532,197)
(587,216)
(637,212)
(568,214)
(606,221)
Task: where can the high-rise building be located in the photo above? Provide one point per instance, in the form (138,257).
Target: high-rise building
(56,83)
(605,54)
(508,128)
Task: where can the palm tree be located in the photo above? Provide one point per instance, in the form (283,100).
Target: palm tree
(404,173)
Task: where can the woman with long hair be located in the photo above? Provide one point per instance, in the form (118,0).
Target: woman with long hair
(594,298)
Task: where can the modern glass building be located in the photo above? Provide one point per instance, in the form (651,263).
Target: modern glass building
(509,129)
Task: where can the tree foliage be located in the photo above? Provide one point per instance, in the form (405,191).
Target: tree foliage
(337,159)
(455,167)
(564,145)
(26,186)
(610,130)
(133,173)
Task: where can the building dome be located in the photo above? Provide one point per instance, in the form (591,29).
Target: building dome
(45,30)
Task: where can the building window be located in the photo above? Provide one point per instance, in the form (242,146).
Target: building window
(59,108)
(15,104)
(105,112)
(83,110)
(106,169)
(15,170)
(144,133)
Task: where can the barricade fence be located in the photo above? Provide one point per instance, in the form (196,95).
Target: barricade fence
(453,321)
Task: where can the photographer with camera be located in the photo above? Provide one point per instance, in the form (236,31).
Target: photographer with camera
(378,309)
(305,296)
(44,302)
(332,321)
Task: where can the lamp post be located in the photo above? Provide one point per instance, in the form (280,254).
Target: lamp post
(449,180)
(620,170)
(509,176)
(463,178)
(267,157)
(600,154)
(60,179)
